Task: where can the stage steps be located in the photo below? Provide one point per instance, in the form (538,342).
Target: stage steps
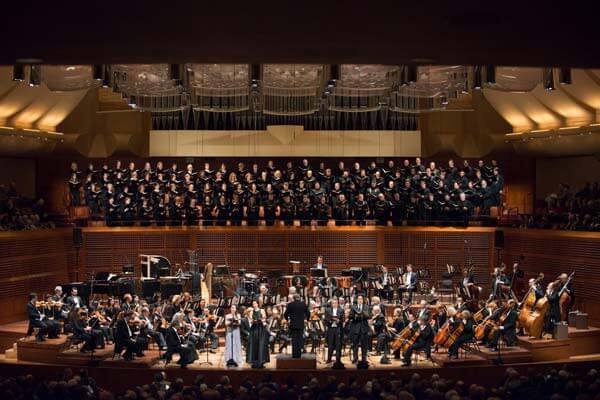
(11,354)
(111,101)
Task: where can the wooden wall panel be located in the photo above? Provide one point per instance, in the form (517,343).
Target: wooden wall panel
(32,262)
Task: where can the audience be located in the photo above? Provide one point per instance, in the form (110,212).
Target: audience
(410,192)
(552,384)
(18,212)
(579,211)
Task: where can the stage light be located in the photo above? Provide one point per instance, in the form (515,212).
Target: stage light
(549,79)
(564,76)
(98,72)
(18,72)
(476,77)
(35,75)
(490,74)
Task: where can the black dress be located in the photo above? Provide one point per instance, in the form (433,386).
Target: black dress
(257,353)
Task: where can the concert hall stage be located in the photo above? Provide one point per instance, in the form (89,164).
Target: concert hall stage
(581,350)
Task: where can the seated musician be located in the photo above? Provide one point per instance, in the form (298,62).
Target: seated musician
(277,333)
(127,303)
(424,311)
(209,322)
(466,319)
(410,282)
(401,321)
(124,338)
(60,310)
(423,342)
(82,330)
(177,345)
(74,301)
(460,304)
(508,329)
(384,287)
(149,329)
(491,312)
(40,321)
(381,333)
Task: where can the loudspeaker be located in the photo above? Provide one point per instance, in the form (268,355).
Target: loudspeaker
(581,321)
(561,331)
(499,239)
(77,237)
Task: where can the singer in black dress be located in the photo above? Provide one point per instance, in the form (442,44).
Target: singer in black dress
(257,353)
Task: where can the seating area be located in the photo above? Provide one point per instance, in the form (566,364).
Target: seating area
(18,212)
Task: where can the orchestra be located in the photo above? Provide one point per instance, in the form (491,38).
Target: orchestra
(369,313)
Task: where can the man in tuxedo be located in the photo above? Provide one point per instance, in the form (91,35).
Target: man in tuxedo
(40,321)
(333,320)
(320,264)
(148,329)
(296,313)
(175,345)
(508,329)
(124,338)
(359,315)
(423,342)
(74,301)
(410,282)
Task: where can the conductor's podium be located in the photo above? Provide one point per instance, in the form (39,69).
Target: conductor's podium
(307,361)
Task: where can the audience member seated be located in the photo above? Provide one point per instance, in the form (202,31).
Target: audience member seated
(565,210)
(391,194)
(550,384)
(18,212)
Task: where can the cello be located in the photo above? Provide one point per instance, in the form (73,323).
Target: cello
(400,338)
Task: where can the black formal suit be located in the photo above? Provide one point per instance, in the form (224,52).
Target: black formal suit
(508,329)
(74,301)
(466,335)
(323,266)
(410,284)
(360,330)
(296,313)
(333,321)
(38,320)
(124,340)
(424,313)
(91,338)
(423,342)
(175,345)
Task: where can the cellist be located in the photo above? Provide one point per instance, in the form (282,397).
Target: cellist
(508,329)
(423,341)
(466,319)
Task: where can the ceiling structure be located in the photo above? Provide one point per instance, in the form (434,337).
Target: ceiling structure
(469,32)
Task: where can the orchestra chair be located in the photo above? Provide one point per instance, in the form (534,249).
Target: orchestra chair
(73,341)
(470,346)
(446,287)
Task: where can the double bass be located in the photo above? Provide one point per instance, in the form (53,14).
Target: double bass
(564,298)
(533,321)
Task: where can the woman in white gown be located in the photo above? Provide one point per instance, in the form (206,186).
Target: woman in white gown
(233,343)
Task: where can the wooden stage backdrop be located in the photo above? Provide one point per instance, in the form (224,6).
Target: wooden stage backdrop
(36,261)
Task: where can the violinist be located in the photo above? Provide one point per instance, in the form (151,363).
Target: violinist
(423,341)
(149,330)
(124,338)
(127,303)
(209,321)
(74,301)
(553,314)
(177,345)
(60,311)
(233,345)
(465,319)
(193,328)
(82,330)
(276,327)
(508,328)
(39,320)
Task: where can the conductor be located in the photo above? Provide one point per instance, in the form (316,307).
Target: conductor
(296,313)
